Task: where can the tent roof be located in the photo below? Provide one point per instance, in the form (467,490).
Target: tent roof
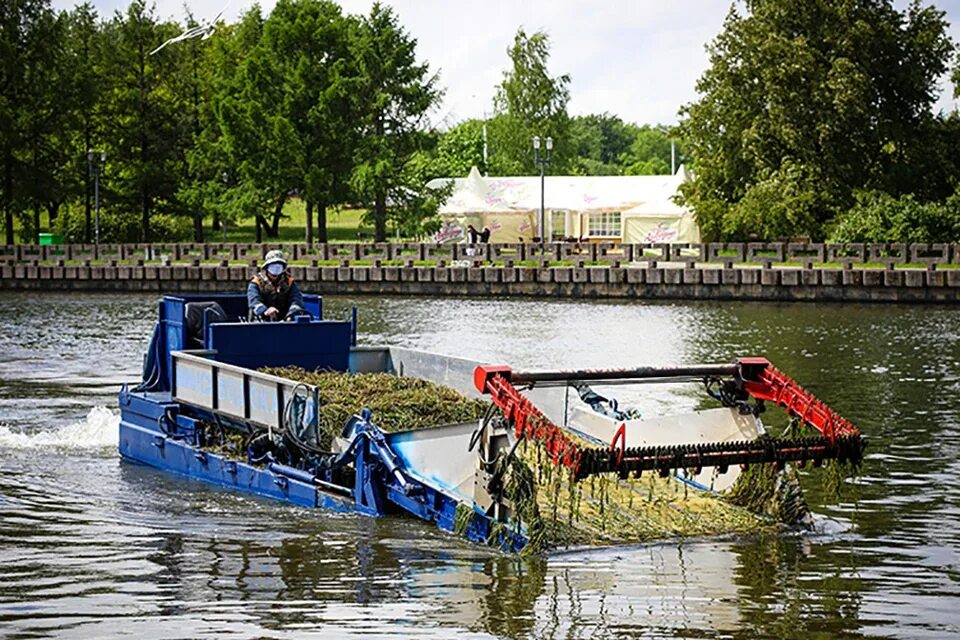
(476,194)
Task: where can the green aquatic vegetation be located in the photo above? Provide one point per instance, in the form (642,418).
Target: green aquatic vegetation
(397,403)
(462,518)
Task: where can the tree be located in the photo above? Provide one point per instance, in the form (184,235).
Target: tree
(529,102)
(458,150)
(308,41)
(397,94)
(83,57)
(819,99)
(149,125)
(23,25)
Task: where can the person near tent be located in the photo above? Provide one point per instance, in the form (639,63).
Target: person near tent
(485,235)
(472,234)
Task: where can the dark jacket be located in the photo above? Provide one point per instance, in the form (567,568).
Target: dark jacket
(263,294)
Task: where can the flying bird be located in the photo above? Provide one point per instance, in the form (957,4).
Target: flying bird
(202,31)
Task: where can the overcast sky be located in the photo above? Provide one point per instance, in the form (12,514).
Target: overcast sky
(637,59)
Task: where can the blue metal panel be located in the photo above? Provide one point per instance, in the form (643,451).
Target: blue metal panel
(311,345)
(148,447)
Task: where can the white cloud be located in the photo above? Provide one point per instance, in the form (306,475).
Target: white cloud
(638,59)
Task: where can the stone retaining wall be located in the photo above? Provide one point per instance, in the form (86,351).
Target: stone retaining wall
(634,281)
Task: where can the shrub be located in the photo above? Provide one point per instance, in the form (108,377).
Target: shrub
(879,217)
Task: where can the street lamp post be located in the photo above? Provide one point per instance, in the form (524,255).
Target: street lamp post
(543,162)
(95,162)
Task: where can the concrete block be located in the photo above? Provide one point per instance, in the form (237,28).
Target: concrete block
(749,276)
(83,273)
(598,275)
(562,274)
(953,277)
(935,278)
(544,275)
(893,278)
(491,274)
(376,274)
(360,274)
(579,274)
(425,274)
(789,277)
(33,272)
(831,277)
(616,275)
(96,273)
(672,276)
(810,277)
(179,273)
(344,274)
(69,273)
(852,278)
(458,274)
(441,274)
(526,274)
(408,274)
(914,279)
(872,277)
(192,273)
(692,276)
(508,274)
(710,276)
(730,276)
(474,274)
(635,275)
(328,274)
(57,273)
(44,273)
(123,273)
(223,274)
(6,271)
(208,272)
(391,274)
(240,274)
(653,275)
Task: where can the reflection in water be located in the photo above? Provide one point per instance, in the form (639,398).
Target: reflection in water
(90,547)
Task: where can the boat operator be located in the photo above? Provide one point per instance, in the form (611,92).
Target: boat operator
(272,294)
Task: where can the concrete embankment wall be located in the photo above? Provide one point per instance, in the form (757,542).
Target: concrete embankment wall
(874,273)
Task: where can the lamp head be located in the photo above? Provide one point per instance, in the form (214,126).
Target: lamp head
(536,142)
(549,144)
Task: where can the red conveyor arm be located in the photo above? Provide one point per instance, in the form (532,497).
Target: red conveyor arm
(764,382)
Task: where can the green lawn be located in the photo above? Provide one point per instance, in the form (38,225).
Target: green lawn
(342,226)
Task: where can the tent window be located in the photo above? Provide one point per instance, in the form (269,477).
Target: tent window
(606,224)
(558,226)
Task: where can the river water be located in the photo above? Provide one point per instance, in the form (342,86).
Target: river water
(93,548)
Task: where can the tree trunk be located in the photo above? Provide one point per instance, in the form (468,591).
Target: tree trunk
(87,187)
(274,230)
(198,226)
(380,216)
(36,222)
(260,223)
(8,195)
(216,221)
(322,221)
(309,221)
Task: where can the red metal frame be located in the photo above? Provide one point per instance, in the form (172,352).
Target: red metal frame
(755,376)
(529,422)
(765,382)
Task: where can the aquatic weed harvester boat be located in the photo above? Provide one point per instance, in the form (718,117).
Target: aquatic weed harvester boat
(296,411)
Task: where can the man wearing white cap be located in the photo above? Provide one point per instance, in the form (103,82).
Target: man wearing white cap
(272,294)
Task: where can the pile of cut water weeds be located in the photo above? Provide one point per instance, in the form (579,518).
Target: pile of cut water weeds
(553,510)
(397,403)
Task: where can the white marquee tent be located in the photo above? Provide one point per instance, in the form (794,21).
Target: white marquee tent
(624,208)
